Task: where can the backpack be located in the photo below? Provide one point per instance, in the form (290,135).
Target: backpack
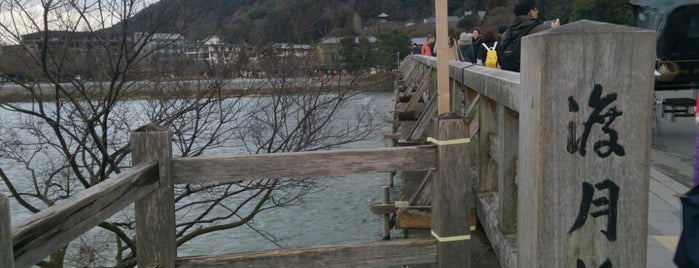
(509,54)
(491,57)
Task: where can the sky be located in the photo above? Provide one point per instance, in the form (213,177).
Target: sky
(18,17)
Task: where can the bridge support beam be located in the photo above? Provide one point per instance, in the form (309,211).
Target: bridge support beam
(584,150)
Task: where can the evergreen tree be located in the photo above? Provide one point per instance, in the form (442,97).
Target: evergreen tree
(388,47)
(615,11)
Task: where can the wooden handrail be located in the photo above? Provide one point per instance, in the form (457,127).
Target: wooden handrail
(56,226)
(498,85)
(302,164)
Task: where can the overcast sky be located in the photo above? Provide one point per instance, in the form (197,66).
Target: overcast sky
(19,17)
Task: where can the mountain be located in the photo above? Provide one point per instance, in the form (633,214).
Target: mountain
(292,21)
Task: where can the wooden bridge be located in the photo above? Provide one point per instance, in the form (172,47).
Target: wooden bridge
(559,158)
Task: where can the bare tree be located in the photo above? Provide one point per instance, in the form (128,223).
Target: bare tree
(77,77)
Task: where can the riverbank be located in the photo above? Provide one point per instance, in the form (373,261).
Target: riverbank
(219,88)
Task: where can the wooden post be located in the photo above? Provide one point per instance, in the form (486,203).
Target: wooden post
(487,179)
(508,133)
(585,135)
(6,254)
(441,46)
(155,213)
(451,193)
(386,218)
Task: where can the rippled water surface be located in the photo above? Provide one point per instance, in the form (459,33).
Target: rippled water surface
(339,213)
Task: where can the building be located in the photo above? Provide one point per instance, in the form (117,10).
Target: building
(160,47)
(72,41)
(383,17)
(295,50)
(82,54)
(212,50)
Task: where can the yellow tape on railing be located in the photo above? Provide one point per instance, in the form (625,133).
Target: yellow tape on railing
(448,142)
(450,238)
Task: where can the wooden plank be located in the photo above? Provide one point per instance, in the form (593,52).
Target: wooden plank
(302,164)
(405,128)
(505,246)
(382,208)
(472,108)
(508,135)
(7,258)
(376,254)
(458,97)
(487,168)
(451,194)
(391,208)
(54,227)
(582,200)
(416,75)
(424,121)
(418,94)
(472,116)
(413,219)
(392,136)
(155,213)
(410,73)
(423,194)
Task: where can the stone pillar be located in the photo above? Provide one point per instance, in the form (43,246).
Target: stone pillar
(584,150)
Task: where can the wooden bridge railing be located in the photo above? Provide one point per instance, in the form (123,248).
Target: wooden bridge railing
(562,161)
(562,148)
(149,184)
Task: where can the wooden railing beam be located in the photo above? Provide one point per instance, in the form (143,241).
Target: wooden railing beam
(302,164)
(54,227)
(375,254)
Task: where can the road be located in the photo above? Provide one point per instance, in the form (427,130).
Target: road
(672,150)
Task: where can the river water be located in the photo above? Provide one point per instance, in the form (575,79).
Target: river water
(337,214)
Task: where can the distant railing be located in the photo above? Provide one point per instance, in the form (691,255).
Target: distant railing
(562,148)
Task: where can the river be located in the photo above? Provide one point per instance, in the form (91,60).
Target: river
(339,213)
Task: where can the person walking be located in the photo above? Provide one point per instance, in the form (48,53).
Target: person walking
(428,46)
(476,41)
(452,50)
(414,49)
(526,22)
(489,42)
(695,175)
(464,43)
(686,253)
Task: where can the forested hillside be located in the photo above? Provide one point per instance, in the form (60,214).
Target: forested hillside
(305,21)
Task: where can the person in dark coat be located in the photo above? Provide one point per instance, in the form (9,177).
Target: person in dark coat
(527,14)
(526,19)
(415,49)
(476,40)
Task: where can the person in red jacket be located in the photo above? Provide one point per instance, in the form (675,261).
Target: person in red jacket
(428,47)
